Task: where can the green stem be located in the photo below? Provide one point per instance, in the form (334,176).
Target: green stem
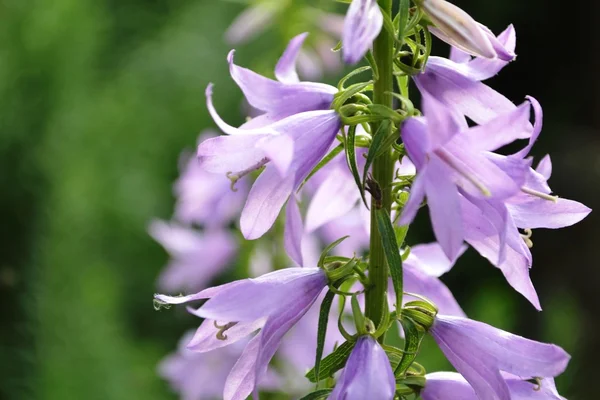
(383,171)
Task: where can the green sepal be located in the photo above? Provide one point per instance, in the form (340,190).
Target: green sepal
(317,394)
(392,252)
(351,160)
(337,150)
(371,59)
(321,262)
(333,362)
(401,232)
(402,18)
(322,330)
(394,355)
(342,97)
(359,319)
(350,75)
(386,112)
(413,335)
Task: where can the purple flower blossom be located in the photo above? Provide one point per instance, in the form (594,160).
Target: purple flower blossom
(479,352)
(367,374)
(452,386)
(205,198)
(289,139)
(459,29)
(275,302)
(362,25)
(196,257)
(452,159)
(491,226)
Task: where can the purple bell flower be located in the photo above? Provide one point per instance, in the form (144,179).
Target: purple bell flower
(272,303)
(367,374)
(289,139)
(479,352)
(452,386)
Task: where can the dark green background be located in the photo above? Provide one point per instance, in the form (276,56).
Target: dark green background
(97,100)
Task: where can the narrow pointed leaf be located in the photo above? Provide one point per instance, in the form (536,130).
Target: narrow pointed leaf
(403,14)
(333,362)
(351,160)
(322,330)
(392,252)
(375,148)
(325,252)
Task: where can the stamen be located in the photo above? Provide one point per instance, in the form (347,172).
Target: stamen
(539,194)
(223,328)
(527,237)
(448,159)
(239,175)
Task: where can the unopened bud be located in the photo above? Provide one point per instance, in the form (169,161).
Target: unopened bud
(459,29)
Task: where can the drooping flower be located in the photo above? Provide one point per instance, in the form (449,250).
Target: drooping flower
(479,352)
(289,139)
(196,257)
(206,198)
(452,386)
(367,374)
(492,227)
(459,29)
(363,23)
(452,158)
(272,303)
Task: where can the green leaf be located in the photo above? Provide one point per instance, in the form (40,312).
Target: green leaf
(412,341)
(357,71)
(384,111)
(394,354)
(337,150)
(403,14)
(392,252)
(401,232)
(342,97)
(351,160)
(376,145)
(333,362)
(322,330)
(318,394)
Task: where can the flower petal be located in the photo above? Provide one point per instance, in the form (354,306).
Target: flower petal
(545,167)
(444,209)
(279,149)
(276,97)
(537,127)
(205,339)
(241,379)
(541,213)
(417,194)
(483,68)
(334,198)
(285,70)
(233,153)
(294,230)
(430,259)
(363,23)
(265,200)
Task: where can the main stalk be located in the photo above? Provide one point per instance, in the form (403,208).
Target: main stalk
(383,171)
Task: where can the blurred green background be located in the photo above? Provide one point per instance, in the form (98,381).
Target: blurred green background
(97,100)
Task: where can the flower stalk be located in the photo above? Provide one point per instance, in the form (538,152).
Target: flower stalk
(383,172)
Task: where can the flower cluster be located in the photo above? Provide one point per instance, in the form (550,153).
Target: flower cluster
(346,173)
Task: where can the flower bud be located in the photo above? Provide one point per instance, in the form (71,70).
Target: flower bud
(459,29)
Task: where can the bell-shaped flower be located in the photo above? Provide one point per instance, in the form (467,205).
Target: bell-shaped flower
(492,227)
(367,374)
(480,352)
(196,257)
(452,158)
(459,29)
(289,139)
(452,386)
(421,272)
(363,23)
(205,198)
(456,83)
(272,303)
